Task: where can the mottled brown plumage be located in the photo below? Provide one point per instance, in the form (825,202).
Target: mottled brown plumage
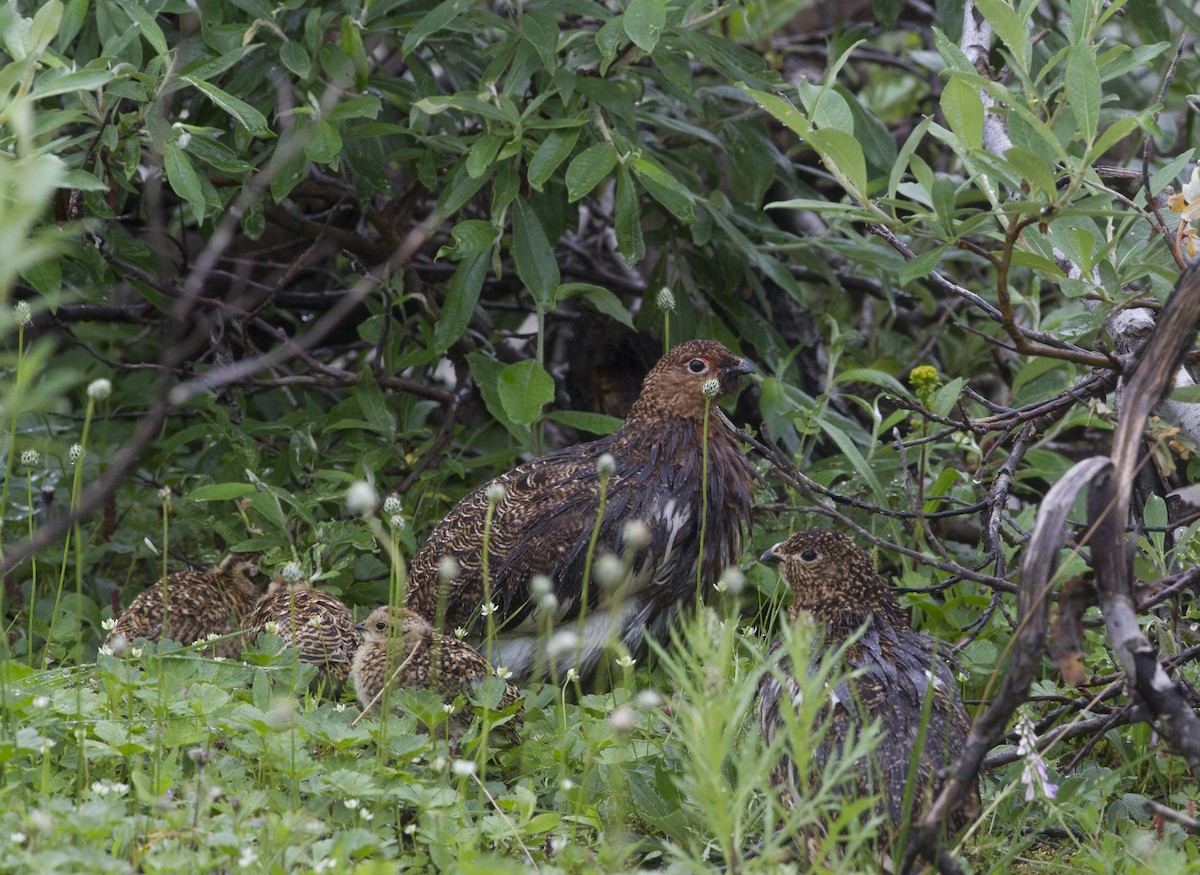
(198,604)
(546,518)
(317,624)
(401,649)
(835,582)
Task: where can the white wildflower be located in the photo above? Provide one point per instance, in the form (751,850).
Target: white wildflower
(100,389)
(622,719)
(732,580)
(248,858)
(365,814)
(463,768)
(487,610)
(548,604)
(18,838)
(22,313)
(539,585)
(460,632)
(448,707)
(164,495)
(360,498)
(448,569)
(496,493)
(29,458)
(391,505)
(503,673)
(212,636)
(605,466)
(665,299)
(648,700)
(1033,775)
(572,675)
(109,624)
(397,522)
(711,388)
(41,702)
(635,534)
(75,453)
(339,707)
(291,572)
(609,570)
(271,627)
(410,830)
(350,803)
(626,661)
(562,641)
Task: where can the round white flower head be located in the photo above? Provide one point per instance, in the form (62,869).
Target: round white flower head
(539,585)
(463,768)
(248,858)
(271,627)
(572,675)
(622,719)
(164,495)
(548,604)
(75,453)
(448,569)
(665,299)
(732,580)
(18,838)
(609,570)
(365,814)
(391,505)
(605,466)
(496,493)
(397,522)
(635,533)
(22,313)
(360,498)
(711,388)
(648,699)
(350,803)
(626,661)
(291,572)
(41,702)
(563,641)
(100,389)
(29,458)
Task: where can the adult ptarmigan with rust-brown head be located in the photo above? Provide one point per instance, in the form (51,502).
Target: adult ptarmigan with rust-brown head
(646,565)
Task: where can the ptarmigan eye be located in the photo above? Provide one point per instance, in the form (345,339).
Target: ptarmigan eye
(381,626)
(809,555)
(697,366)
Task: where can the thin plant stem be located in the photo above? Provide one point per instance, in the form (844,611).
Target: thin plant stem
(32,571)
(703,494)
(602,471)
(8,463)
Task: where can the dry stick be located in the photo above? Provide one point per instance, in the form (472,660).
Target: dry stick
(1190,824)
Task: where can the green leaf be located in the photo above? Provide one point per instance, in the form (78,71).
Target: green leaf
(541,30)
(483,153)
(947,396)
(598,297)
(524,388)
(628,219)
(854,457)
(842,150)
(1010,27)
(643,21)
(471,236)
(1034,170)
(433,21)
(146,25)
(552,152)
(461,298)
(183,178)
(588,168)
(963,108)
(665,188)
(325,145)
(593,423)
(533,255)
(220,491)
(246,115)
(1083,90)
(45,26)
(296,59)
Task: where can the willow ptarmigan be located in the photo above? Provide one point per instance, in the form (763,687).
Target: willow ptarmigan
(402,649)
(543,524)
(318,625)
(198,604)
(835,582)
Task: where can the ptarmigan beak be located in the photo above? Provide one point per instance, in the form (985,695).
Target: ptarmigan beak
(359,627)
(770,557)
(742,368)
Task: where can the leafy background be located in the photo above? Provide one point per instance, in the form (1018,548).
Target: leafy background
(413,243)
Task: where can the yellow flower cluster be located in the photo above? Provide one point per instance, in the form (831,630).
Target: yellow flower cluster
(1187,204)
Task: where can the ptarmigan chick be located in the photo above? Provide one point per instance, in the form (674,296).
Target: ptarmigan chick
(196,604)
(545,511)
(401,649)
(836,583)
(317,624)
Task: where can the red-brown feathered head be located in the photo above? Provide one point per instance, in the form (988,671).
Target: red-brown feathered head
(686,378)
